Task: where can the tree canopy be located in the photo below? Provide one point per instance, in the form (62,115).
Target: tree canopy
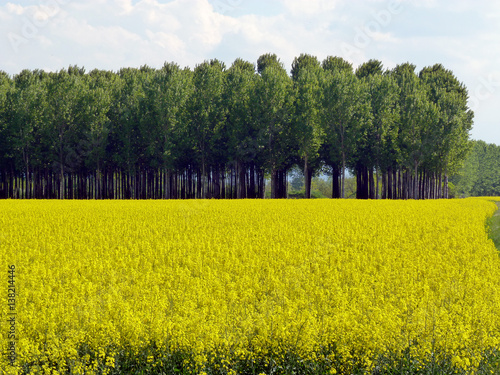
(219,132)
(480,173)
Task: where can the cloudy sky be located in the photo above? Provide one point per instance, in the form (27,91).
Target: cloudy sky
(463,35)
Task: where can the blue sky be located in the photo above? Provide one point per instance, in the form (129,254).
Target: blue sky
(463,35)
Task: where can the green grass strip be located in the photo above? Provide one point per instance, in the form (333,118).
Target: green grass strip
(494,227)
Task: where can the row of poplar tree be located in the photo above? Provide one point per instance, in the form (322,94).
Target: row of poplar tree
(218,132)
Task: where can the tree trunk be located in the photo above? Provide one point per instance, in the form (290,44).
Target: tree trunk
(251,190)
(343,175)
(26,161)
(307,179)
(61,182)
(440,187)
(415,181)
(261,184)
(241,189)
(371,182)
(446,190)
(335,182)
(273,182)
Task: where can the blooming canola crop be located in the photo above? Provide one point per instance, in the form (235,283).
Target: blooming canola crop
(227,283)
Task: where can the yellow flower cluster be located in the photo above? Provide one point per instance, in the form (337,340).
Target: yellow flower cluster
(243,280)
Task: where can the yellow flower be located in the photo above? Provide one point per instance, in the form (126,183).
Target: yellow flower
(243,280)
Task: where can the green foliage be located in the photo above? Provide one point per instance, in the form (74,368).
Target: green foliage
(166,97)
(450,133)
(5,125)
(243,132)
(274,93)
(151,360)
(320,187)
(493,225)
(267,60)
(383,133)
(337,64)
(370,68)
(479,174)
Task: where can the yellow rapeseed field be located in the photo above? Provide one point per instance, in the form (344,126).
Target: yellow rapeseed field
(217,283)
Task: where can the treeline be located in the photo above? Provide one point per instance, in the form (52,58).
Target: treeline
(217,132)
(480,174)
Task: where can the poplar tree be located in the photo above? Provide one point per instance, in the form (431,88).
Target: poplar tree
(307,75)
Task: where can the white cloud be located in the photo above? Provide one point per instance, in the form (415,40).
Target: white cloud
(310,7)
(14,9)
(185,31)
(425,3)
(123,7)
